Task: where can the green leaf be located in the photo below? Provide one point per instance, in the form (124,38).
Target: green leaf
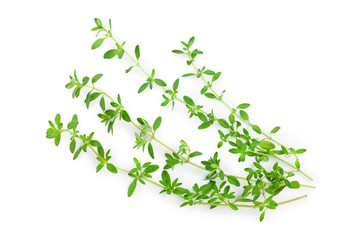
(151,168)
(137,52)
(100,150)
(179,191)
(75,76)
(178,51)
(51,132)
(102,103)
(95,143)
(96,78)
(297,164)
(216,76)
(243,105)
(232,118)
(295,184)
(233,180)
(160,82)
(233,206)
(77,153)
(275,130)
(94,96)
(121,53)
(73,123)
(76,92)
(262,215)
(57,139)
(176,85)
(99,167)
(98,22)
(57,119)
(292,151)
(125,116)
(203,90)
(111,53)
(85,80)
(189,101)
(151,151)
(157,123)
(191,41)
(137,163)
(87,100)
(300,151)
(202,117)
(184,204)
(234,150)
(210,95)
(143,87)
(285,151)
(165,102)
(277,191)
(72,146)
(129,69)
(195,154)
(223,123)
(209,72)
(244,115)
(97,43)
(208,187)
(188,75)
(132,188)
(165,177)
(266,145)
(51,124)
(256,129)
(111,168)
(70,85)
(204,125)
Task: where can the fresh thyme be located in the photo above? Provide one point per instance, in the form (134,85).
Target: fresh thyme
(257,189)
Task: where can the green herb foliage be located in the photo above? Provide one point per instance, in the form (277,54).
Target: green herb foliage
(257,186)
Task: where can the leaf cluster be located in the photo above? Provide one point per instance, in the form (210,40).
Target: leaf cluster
(258,188)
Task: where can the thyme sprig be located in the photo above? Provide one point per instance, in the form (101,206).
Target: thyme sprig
(259,188)
(265,147)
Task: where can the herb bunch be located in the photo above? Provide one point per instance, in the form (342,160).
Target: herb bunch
(273,165)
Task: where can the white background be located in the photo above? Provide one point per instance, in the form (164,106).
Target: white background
(296,62)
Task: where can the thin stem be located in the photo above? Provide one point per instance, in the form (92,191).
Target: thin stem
(155,183)
(307,186)
(292,200)
(253,206)
(102,92)
(122,169)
